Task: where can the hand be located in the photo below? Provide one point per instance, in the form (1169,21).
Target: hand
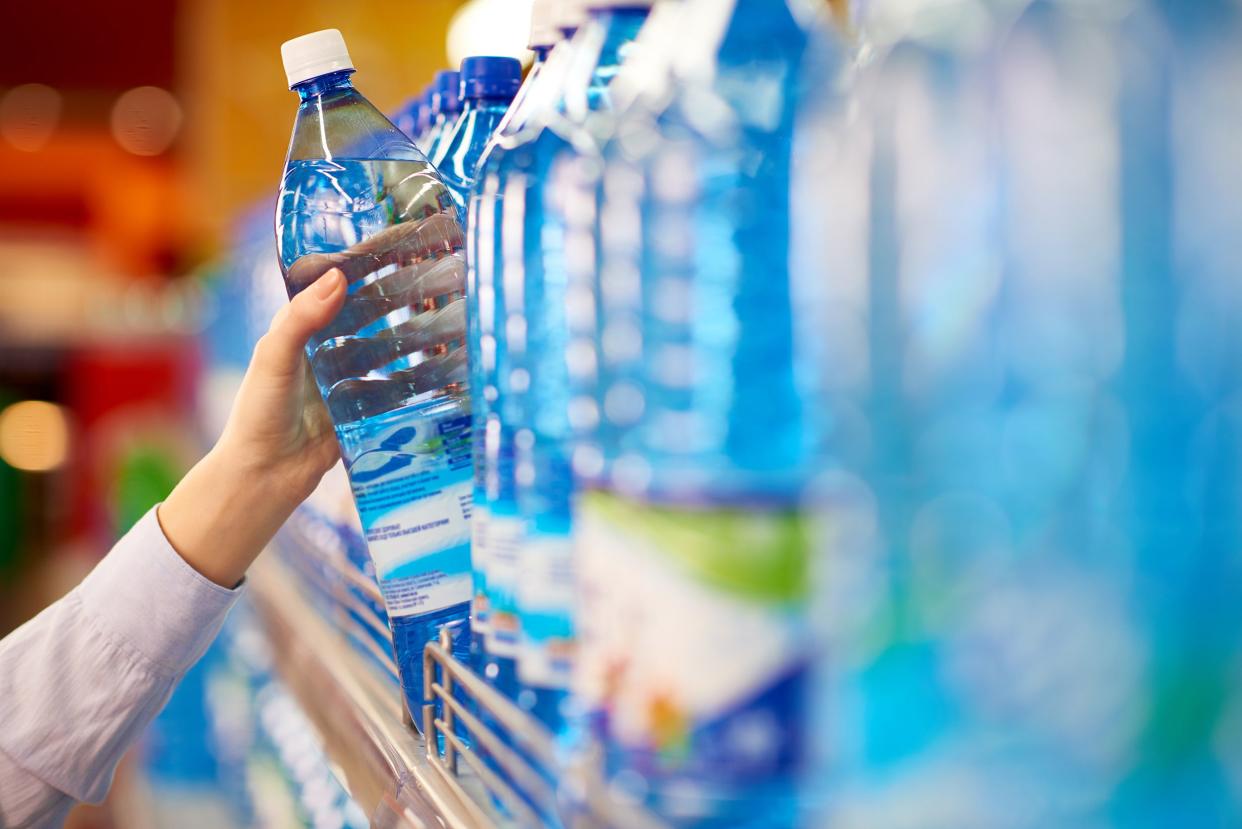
(276,446)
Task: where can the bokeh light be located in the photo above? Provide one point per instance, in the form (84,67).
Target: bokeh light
(490,27)
(28,116)
(145,120)
(34,436)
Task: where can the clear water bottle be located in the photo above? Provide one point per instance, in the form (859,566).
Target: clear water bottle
(497,536)
(603,292)
(694,549)
(480,318)
(488,85)
(448,112)
(561,140)
(358,196)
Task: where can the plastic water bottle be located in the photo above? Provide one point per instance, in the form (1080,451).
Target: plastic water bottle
(497,534)
(358,196)
(694,547)
(425,116)
(488,85)
(448,113)
(407,118)
(543,37)
(539,389)
(603,291)
(442,92)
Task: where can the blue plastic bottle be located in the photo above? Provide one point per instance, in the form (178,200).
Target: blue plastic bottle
(448,113)
(358,196)
(425,117)
(693,549)
(407,118)
(480,365)
(561,140)
(488,85)
(603,284)
(441,93)
(497,533)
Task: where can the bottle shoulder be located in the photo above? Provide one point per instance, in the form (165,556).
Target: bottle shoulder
(344,124)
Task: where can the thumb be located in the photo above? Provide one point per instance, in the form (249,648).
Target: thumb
(279,351)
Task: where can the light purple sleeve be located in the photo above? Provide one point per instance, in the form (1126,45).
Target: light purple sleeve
(80,681)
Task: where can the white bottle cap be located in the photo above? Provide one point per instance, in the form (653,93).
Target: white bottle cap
(543,30)
(315,54)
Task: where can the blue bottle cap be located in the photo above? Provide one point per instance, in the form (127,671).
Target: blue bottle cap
(490,77)
(448,91)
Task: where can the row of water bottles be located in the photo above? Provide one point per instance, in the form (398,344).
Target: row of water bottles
(818,424)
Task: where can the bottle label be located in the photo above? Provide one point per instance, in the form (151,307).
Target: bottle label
(694,637)
(545,599)
(411,477)
(479,545)
(504,533)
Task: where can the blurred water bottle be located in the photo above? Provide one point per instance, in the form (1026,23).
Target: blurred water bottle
(482,240)
(560,138)
(425,117)
(358,196)
(1033,551)
(407,118)
(488,85)
(448,103)
(694,546)
(490,213)
(604,232)
(436,102)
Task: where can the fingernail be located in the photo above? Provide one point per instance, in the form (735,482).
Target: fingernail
(326,285)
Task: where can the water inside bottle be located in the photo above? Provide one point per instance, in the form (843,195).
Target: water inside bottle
(392,370)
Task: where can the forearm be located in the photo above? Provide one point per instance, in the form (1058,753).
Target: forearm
(222,514)
(79,682)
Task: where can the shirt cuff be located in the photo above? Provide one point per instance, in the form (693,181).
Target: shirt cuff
(144,594)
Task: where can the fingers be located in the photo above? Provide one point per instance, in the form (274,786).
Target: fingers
(279,351)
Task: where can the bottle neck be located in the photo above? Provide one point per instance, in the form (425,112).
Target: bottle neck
(620,25)
(324,84)
(602,46)
(487,104)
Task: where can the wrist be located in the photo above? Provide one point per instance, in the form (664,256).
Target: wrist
(254,477)
(221,516)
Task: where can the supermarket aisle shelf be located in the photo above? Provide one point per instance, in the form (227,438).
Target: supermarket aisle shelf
(381,759)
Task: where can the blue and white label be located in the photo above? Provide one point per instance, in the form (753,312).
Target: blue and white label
(504,533)
(545,598)
(480,613)
(410,472)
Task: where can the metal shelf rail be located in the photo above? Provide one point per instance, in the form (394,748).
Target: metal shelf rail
(475,732)
(486,762)
(359,715)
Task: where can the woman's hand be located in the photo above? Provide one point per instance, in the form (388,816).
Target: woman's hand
(276,446)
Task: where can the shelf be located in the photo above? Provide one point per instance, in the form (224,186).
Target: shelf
(359,716)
